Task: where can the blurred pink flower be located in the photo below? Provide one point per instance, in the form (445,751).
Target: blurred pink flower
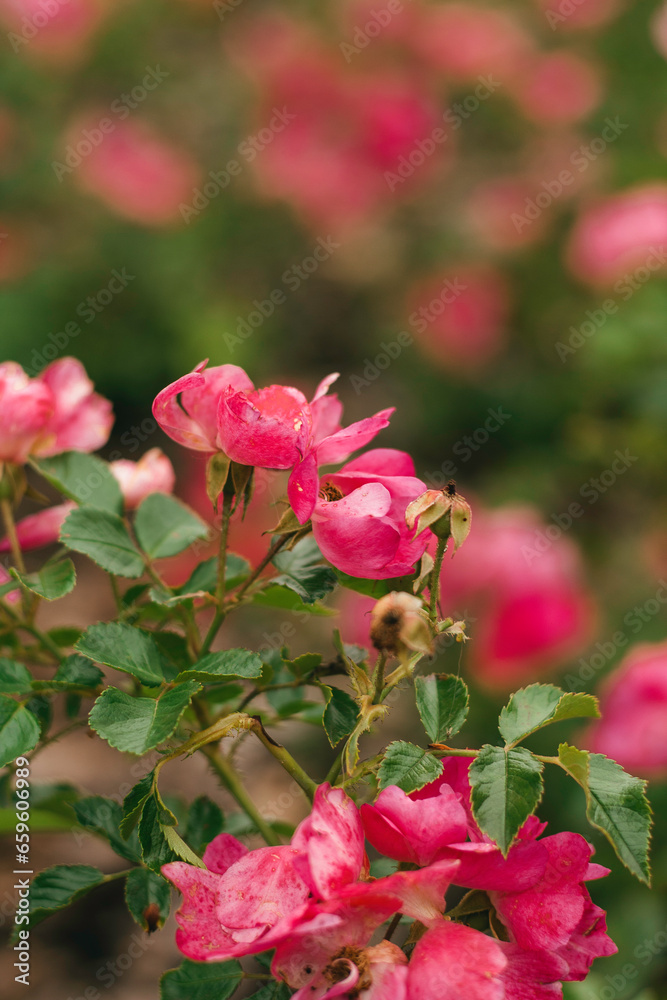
(497,213)
(580,14)
(624,232)
(42,528)
(133,170)
(634,712)
(25,407)
(54,30)
(558,88)
(153,473)
(359,518)
(467,41)
(459,317)
(16,251)
(81,418)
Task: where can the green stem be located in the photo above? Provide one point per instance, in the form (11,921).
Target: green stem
(10,528)
(219,615)
(335,769)
(273,551)
(286,761)
(435,578)
(378,678)
(232,783)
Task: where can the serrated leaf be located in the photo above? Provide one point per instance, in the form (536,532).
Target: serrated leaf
(164,526)
(442,702)
(136,725)
(286,599)
(103,537)
(616,804)
(103,816)
(52,582)
(19,730)
(408,766)
(540,705)
(148,898)
(84,478)
(57,887)
(125,648)
(180,848)
(155,850)
(15,678)
(272,991)
(78,671)
(506,789)
(304,665)
(225,663)
(201,981)
(205,821)
(134,802)
(302,570)
(340,715)
(375,588)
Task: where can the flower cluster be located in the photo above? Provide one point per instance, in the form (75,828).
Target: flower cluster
(315,902)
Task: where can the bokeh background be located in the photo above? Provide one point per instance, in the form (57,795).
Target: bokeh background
(462,208)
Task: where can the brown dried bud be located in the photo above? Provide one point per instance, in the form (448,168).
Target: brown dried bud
(400,626)
(445,512)
(151,917)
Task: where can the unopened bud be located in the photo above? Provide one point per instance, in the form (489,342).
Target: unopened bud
(399,625)
(445,512)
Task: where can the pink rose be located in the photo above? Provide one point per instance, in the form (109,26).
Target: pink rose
(585,14)
(60,32)
(153,473)
(81,419)
(25,406)
(558,88)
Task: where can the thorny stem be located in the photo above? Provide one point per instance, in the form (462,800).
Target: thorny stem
(219,615)
(273,551)
(10,528)
(435,578)
(378,677)
(286,760)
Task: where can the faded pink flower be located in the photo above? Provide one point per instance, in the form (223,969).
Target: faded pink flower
(42,528)
(331,840)
(359,518)
(153,473)
(582,14)
(58,32)
(81,419)
(134,170)
(496,213)
(25,407)
(634,712)
(623,233)
(558,88)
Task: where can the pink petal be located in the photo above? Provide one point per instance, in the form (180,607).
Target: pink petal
(421,893)
(202,403)
(353,533)
(331,840)
(532,975)
(324,386)
(26,405)
(383,462)
(200,936)
(451,962)
(223,851)
(82,419)
(266,428)
(414,830)
(153,473)
(173,419)
(42,528)
(338,446)
(302,487)
(258,890)
(482,866)
(588,942)
(388,971)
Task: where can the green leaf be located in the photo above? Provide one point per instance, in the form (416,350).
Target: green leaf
(164,526)
(540,705)
(136,725)
(304,665)
(408,766)
(506,789)
(84,478)
(442,702)
(285,599)
(148,898)
(201,981)
(616,804)
(103,537)
(78,671)
(205,821)
(180,848)
(19,730)
(303,571)
(125,648)
(134,802)
(375,588)
(15,678)
(272,991)
(57,887)
(155,850)
(103,816)
(340,715)
(52,582)
(42,708)
(225,663)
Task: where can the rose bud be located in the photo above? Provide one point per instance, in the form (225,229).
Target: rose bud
(445,512)
(399,625)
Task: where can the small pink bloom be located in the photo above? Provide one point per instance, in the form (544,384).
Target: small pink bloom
(25,407)
(42,528)
(135,171)
(460,316)
(153,473)
(194,423)
(263,427)
(331,840)
(496,213)
(634,712)
(452,961)
(586,13)
(359,519)
(589,940)
(620,234)
(81,419)
(558,88)
(57,32)
(414,831)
